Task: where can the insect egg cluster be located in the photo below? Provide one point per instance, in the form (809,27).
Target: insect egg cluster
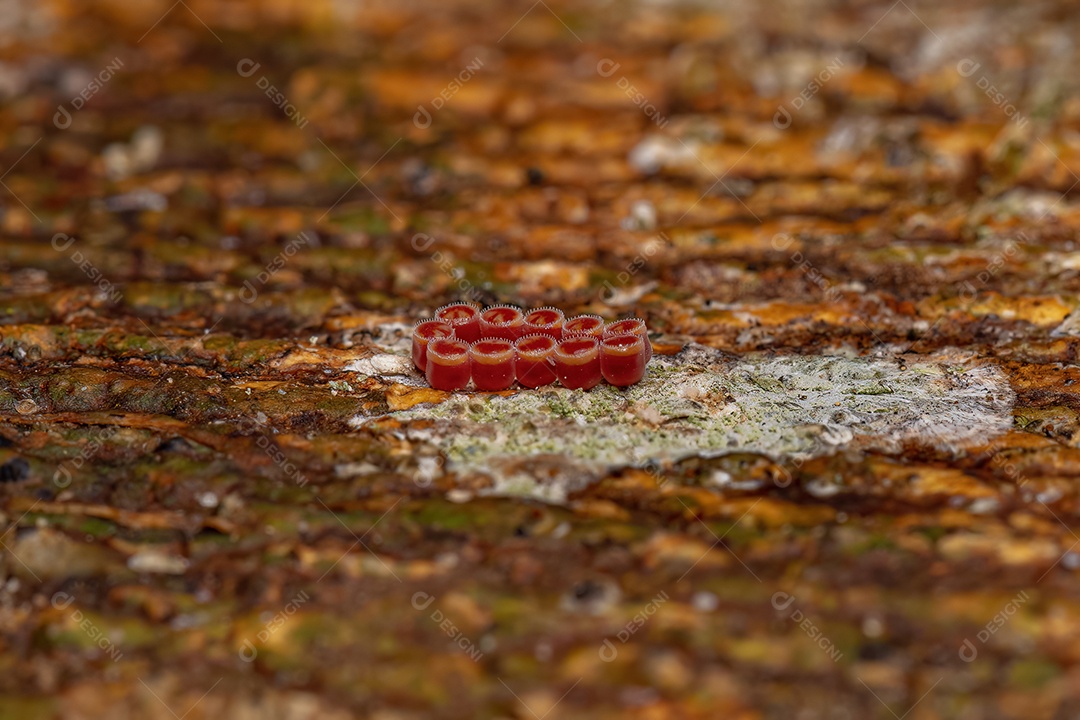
(500,345)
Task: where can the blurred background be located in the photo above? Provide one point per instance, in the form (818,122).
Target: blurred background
(214,212)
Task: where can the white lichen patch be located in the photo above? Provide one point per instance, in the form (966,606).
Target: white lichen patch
(546,443)
(382,364)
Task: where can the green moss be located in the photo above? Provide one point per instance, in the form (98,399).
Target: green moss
(22,708)
(97,527)
(876,542)
(1033,674)
(447,516)
(933,534)
(365,219)
(89,631)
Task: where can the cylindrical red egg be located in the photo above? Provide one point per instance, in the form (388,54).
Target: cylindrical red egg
(502,321)
(423,333)
(631,326)
(463,317)
(448,366)
(591,325)
(534,363)
(622,359)
(492,363)
(545,321)
(577,362)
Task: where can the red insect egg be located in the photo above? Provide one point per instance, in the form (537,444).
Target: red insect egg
(591,325)
(423,333)
(535,364)
(448,366)
(545,321)
(492,363)
(464,318)
(622,359)
(631,326)
(577,362)
(502,321)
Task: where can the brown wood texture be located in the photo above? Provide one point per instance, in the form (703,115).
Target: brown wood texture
(848,488)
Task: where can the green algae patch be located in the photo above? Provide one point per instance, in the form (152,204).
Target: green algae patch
(549,443)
